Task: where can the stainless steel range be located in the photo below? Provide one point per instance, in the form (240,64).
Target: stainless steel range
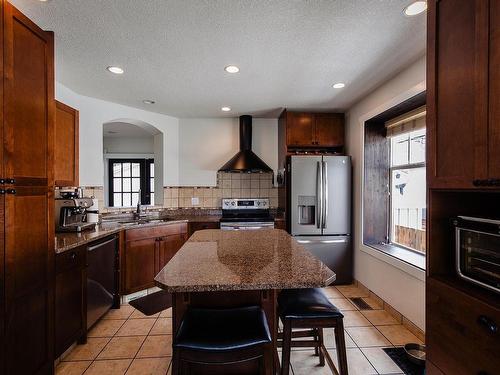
(246,214)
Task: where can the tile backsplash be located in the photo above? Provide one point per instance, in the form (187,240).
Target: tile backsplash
(229,185)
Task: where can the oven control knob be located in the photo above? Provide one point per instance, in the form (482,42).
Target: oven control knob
(258,203)
(232,203)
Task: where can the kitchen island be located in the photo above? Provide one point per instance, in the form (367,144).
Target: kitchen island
(223,269)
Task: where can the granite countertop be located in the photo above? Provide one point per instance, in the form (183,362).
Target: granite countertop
(70,240)
(197,218)
(215,260)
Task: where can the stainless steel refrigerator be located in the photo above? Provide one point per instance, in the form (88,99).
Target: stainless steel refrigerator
(320,209)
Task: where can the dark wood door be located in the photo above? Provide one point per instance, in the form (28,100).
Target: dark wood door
(66,149)
(494,92)
(457,74)
(168,246)
(329,130)
(140,264)
(28,132)
(300,129)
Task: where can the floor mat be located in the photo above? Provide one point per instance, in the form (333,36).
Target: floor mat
(398,355)
(153,303)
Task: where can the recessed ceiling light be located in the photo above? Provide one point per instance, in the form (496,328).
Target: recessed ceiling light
(339,85)
(115,69)
(225,109)
(148,101)
(232,69)
(415,8)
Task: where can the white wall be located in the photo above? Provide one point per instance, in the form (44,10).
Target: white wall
(127,145)
(94,113)
(193,149)
(205,144)
(398,283)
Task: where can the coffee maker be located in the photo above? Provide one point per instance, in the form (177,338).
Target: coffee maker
(71,213)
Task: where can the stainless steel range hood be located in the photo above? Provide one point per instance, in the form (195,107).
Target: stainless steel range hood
(245,160)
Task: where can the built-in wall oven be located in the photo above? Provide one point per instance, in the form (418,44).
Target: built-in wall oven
(246,214)
(477,242)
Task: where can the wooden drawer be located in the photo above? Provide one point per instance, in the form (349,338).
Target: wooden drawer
(74,258)
(156,231)
(459,337)
(194,226)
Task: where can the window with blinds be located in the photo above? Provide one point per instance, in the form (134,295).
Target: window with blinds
(407,135)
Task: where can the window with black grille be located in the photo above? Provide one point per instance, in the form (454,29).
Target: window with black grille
(131,181)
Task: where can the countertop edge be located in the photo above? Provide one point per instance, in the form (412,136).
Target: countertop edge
(240,288)
(108,232)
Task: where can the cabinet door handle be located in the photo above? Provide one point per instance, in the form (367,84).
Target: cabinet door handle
(10,181)
(488,323)
(487,182)
(10,191)
(2,191)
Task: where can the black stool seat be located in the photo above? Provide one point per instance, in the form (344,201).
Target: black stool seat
(306,303)
(223,330)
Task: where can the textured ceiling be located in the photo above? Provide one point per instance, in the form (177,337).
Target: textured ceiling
(290,52)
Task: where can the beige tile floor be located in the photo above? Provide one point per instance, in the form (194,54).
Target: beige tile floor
(127,342)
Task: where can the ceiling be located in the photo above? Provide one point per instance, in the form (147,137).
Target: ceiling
(289,52)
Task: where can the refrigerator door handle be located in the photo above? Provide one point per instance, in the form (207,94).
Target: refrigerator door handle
(325,195)
(319,195)
(322,241)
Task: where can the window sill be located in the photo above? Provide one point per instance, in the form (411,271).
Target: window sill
(405,259)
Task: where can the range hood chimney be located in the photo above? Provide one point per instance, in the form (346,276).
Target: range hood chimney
(245,160)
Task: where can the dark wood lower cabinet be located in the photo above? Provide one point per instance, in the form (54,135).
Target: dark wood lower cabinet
(168,246)
(146,252)
(140,264)
(462,331)
(70,296)
(194,226)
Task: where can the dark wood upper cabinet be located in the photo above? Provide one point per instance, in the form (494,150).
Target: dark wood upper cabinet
(494,91)
(312,130)
(300,129)
(66,148)
(329,130)
(27,230)
(463,115)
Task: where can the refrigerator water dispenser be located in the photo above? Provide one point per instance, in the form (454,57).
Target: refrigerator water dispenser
(307,210)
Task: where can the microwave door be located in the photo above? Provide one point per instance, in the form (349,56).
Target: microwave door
(337,186)
(305,195)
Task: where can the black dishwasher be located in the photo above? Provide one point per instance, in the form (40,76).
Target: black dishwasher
(102,283)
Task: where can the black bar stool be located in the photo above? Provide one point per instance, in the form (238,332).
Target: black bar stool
(310,309)
(221,337)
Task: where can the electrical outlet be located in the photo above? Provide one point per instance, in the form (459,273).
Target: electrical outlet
(195,201)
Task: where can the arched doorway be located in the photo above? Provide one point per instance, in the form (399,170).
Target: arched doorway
(133,163)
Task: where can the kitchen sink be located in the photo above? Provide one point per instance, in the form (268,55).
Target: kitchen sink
(142,221)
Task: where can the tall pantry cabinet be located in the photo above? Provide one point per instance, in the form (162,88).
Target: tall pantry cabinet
(463,177)
(26,195)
